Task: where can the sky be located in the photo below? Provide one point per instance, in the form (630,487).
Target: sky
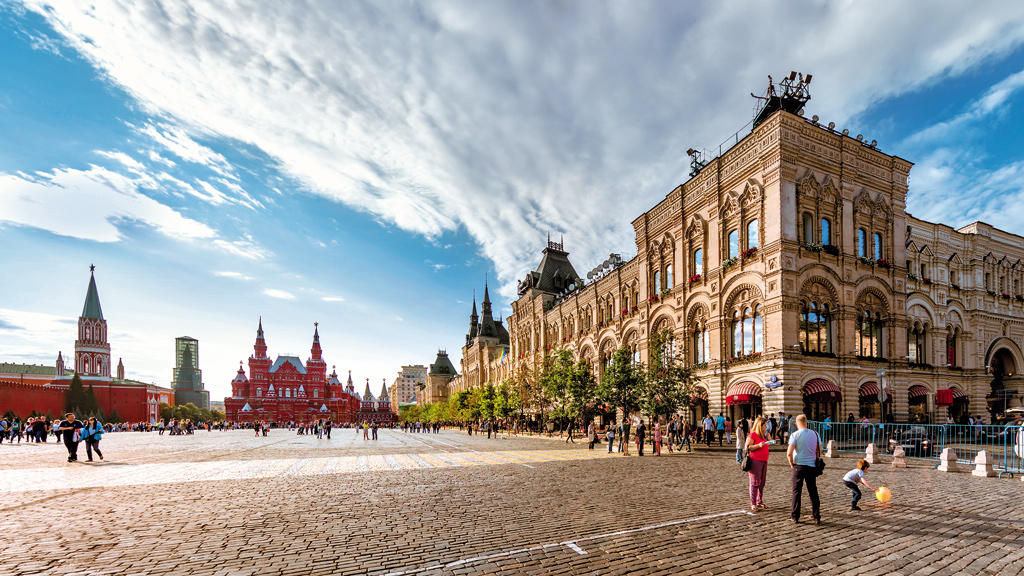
(368,166)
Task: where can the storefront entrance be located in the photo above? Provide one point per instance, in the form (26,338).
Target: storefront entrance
(744,400)
(821,400)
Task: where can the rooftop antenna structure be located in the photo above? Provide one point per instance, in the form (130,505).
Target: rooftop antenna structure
(794,95)
(698,159)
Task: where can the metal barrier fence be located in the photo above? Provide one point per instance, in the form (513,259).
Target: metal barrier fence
(1004,443)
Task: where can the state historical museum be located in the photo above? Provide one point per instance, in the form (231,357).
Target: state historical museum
(285,390)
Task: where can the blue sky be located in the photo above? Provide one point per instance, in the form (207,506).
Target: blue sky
(366,165)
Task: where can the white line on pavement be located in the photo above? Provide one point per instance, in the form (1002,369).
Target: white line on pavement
(571,544)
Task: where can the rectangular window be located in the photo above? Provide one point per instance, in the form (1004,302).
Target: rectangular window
(924,270)
(987,276)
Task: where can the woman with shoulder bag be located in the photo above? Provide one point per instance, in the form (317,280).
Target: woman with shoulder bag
(757,444)
(92,433)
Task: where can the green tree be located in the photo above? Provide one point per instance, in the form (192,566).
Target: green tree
(74,396)
(668,383)
(166,411)
(114,417)
(486,395)
(570,385)
(623,382)
(92,404)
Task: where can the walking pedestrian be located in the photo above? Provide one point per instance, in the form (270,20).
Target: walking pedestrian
(92,434)
(71,429)
(657,438)
(728,430)
(757,444)
(591,435)
(803,453)
(742,429)
(327,427)
(720,426)
(610,437)
(709,429)
(641,435)
(687,429)
(624,436)
(373,429)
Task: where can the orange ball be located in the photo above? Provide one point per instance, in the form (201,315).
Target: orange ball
(883,494)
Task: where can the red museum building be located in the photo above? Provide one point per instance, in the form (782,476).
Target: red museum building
(286,390)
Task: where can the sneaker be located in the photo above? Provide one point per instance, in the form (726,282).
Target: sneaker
(854,508)
(794,521)
(817,521)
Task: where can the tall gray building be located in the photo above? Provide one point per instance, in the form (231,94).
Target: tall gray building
(188,378)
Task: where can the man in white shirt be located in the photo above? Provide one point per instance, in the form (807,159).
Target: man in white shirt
(803,453)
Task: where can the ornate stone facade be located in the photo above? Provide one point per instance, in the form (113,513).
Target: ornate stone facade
(792,276)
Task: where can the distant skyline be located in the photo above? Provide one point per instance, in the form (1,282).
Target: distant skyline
(367,165)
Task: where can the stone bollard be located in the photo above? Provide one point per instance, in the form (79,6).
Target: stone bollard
(947,461)
(831,451)
(899,458)
(982,466)
(870,454)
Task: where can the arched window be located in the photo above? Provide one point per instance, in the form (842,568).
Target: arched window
(752,235)
(668,276)
(826,232)
(917,343)
(657,282)
(951,347)
(700,343)
(747,331)
(698,261)
(737,334)
(636,299)
(862,243)
(259,392)
(808,222)
(734,244)
(758,330)
(316,393)
(878,246)
(869,332)
(287,393)
(816,328)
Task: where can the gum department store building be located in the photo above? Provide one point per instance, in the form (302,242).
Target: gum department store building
(794,281)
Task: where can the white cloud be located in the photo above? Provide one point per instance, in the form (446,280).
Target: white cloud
(182,145)
(88,204)
(49,334)
(994,99)
(247,248)
(230,274)
(333,299)
(508,119)
(273,293)
(132,164)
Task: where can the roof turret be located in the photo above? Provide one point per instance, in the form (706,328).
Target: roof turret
(384,392)
(368,396)
(92,307)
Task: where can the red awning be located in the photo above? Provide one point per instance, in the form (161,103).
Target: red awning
(916,391)
(744,393)
(699,392)
(820,390)
(869,389)
(958,393)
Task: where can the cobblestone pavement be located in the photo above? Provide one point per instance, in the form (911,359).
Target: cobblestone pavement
(226,503)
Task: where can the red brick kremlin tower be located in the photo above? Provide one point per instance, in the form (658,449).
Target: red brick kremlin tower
(286,390)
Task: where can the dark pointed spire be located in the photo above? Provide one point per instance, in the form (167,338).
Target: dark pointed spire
(92,307)
(316,333)
(259,331)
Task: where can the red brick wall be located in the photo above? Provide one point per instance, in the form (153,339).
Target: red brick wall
(22,399)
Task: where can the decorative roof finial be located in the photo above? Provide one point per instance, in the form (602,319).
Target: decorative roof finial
(92,268)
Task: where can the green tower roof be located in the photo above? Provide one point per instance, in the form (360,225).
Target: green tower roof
(92,307)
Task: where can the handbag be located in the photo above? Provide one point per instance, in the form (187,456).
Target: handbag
(746,462)
(819,463)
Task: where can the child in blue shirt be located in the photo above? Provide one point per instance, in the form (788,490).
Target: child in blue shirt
(855,477)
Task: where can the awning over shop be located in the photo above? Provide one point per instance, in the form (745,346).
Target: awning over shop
(870,391)
(917,391)
(744,393)
(821,390)
(699,393)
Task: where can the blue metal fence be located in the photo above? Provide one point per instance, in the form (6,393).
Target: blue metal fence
(1004,443)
